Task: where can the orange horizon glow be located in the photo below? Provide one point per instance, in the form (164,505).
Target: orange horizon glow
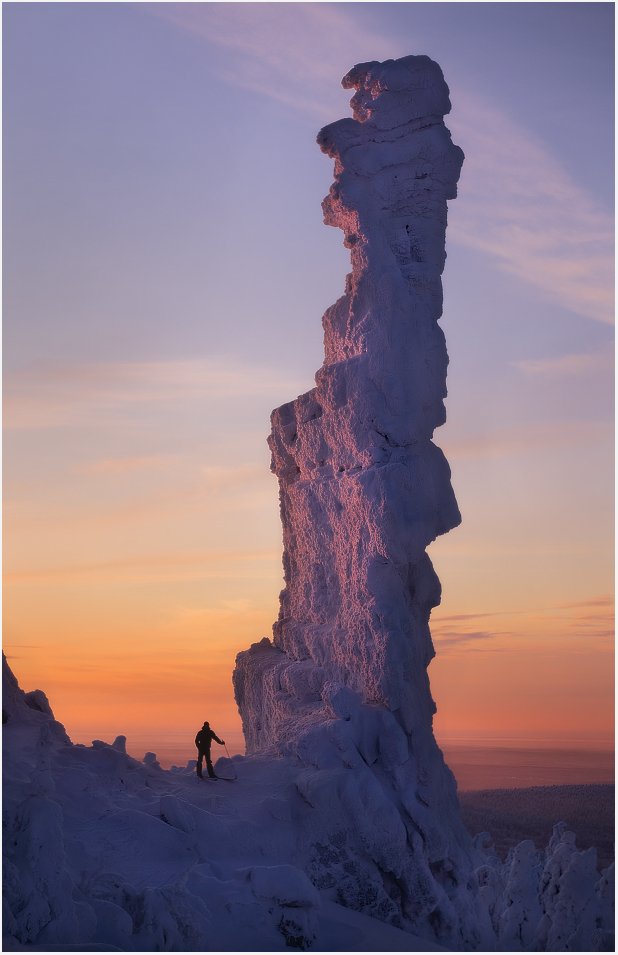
(496,676)
(132,581)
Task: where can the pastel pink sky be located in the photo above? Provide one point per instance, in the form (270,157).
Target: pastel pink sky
(166,269)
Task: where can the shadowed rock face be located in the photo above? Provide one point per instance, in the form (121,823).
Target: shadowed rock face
(363,490)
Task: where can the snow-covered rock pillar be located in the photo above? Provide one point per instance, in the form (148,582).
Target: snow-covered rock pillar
(363,489)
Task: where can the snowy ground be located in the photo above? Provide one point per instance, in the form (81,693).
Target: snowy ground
(107,853)
(103,852)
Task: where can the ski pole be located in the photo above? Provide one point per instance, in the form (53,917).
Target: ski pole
(230,759)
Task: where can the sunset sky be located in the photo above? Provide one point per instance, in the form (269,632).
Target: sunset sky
(166,270)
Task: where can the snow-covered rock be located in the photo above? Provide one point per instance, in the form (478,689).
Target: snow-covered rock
(111,853)
(343,686)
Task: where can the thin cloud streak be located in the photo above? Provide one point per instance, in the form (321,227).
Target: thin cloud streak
(516,203)
(198,500)
(452,640)
(440,619)
(605,600)
(213,565)
(586,363)
(73,395)
(578,628)
(272,53)
(520,440)
(110,467)
(219,478)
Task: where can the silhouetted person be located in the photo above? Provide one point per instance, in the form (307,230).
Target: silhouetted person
(203,740)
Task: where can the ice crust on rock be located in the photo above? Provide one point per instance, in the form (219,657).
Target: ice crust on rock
(363,491)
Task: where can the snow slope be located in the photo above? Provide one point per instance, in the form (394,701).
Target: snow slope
(103,852)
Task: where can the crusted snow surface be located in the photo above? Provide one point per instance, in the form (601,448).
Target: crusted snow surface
(103,852)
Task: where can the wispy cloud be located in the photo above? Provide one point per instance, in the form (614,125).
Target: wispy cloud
(588,619)
(517,204)
(463,640)
(441,619)
(574,627)
(213,565)
(522,439)
(270,49)
(54,397)
(585,363)
(220,478)
(123,465)
(186,498)
(604,600)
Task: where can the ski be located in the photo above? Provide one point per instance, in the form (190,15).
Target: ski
(214,779)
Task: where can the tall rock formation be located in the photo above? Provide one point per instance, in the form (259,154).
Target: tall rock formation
(343,686)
